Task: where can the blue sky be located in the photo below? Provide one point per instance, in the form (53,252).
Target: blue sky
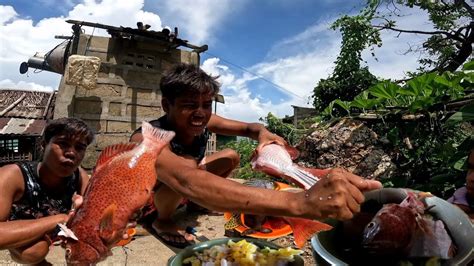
(269,53)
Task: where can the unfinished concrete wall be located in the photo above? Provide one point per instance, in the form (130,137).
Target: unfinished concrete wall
(127,90)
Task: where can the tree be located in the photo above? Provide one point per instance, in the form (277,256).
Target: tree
(449,45)
(349,78)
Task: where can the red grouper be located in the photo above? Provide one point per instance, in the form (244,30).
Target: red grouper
(120,186)
(393,230)
(277,161)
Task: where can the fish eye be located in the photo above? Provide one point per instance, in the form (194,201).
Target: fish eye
(370,225)
(68,252)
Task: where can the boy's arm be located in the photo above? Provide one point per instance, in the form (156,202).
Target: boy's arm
(338,195)
(254,131)
(84,180)
(15,234)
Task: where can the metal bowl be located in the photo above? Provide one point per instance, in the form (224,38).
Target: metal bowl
(327,249)
(177,260)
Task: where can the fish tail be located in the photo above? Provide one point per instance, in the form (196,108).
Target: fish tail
(156,135)
(304,229)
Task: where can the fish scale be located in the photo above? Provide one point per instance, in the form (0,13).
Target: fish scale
(119,187)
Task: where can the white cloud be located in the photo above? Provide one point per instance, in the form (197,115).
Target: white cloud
(21,38)
(240,104)
(9,84)
(6,14)
(198,19)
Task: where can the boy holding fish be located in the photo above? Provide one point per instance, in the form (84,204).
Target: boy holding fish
(36,196)
(184,172)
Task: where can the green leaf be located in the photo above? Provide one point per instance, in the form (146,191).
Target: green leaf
(422,85)
(465,114)
(385,90)
(344,104)
(459,164)
(469,65)
(363,103)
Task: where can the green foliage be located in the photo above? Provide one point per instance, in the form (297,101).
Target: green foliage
(245,147)
(423,93)
(429,151)
(349,78)
(449,44)
(287,131)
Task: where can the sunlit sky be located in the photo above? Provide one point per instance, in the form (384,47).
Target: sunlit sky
(269,53)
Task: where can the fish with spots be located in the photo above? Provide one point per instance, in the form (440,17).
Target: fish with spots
(120,186)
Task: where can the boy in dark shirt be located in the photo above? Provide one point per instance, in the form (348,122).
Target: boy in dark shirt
(184,172)
(36,196)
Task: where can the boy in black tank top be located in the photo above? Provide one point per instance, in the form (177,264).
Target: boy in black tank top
(36,196)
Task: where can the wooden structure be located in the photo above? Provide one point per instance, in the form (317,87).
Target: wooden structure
(125,91)
(23,116)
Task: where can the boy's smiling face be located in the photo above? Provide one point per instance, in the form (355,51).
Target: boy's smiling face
(189,113)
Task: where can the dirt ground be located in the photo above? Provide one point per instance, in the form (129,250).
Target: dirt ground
(147,250)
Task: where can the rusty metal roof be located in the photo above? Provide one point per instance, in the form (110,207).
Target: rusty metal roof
(25,112)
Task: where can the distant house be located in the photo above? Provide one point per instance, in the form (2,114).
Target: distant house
(300,113)
(23,116)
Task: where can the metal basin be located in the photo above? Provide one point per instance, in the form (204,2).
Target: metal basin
(328,246)
(177,260)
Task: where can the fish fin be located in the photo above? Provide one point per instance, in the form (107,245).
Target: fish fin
(304,229)
(292,151)
(66,232)
(111,151)
(106,223)
(154,134)
(233,222)
(130,232)
(319,173)
(302,178)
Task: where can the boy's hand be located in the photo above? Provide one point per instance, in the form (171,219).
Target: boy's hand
(338,195)
(266,137)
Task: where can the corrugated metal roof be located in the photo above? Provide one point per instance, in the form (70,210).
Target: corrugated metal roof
(25,112)
(23,126)
(26,104)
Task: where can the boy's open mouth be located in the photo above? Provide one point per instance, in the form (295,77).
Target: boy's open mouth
(197,124)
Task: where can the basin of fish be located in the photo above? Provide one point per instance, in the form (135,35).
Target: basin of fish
(399,227)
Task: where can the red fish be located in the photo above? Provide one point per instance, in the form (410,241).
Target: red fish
(303,229)
(277,161)
(120,186)
(392,230)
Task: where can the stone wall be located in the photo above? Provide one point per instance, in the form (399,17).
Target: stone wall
(127,88)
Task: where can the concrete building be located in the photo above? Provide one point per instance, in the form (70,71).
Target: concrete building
(112,83)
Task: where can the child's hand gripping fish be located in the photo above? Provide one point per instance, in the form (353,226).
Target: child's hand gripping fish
(277,161)
(120,186)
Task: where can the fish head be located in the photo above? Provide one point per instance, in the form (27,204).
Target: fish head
(390,231)
(261,183)
(80,253)
(252,221)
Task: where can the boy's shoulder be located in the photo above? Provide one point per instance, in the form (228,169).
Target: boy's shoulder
(11,177)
